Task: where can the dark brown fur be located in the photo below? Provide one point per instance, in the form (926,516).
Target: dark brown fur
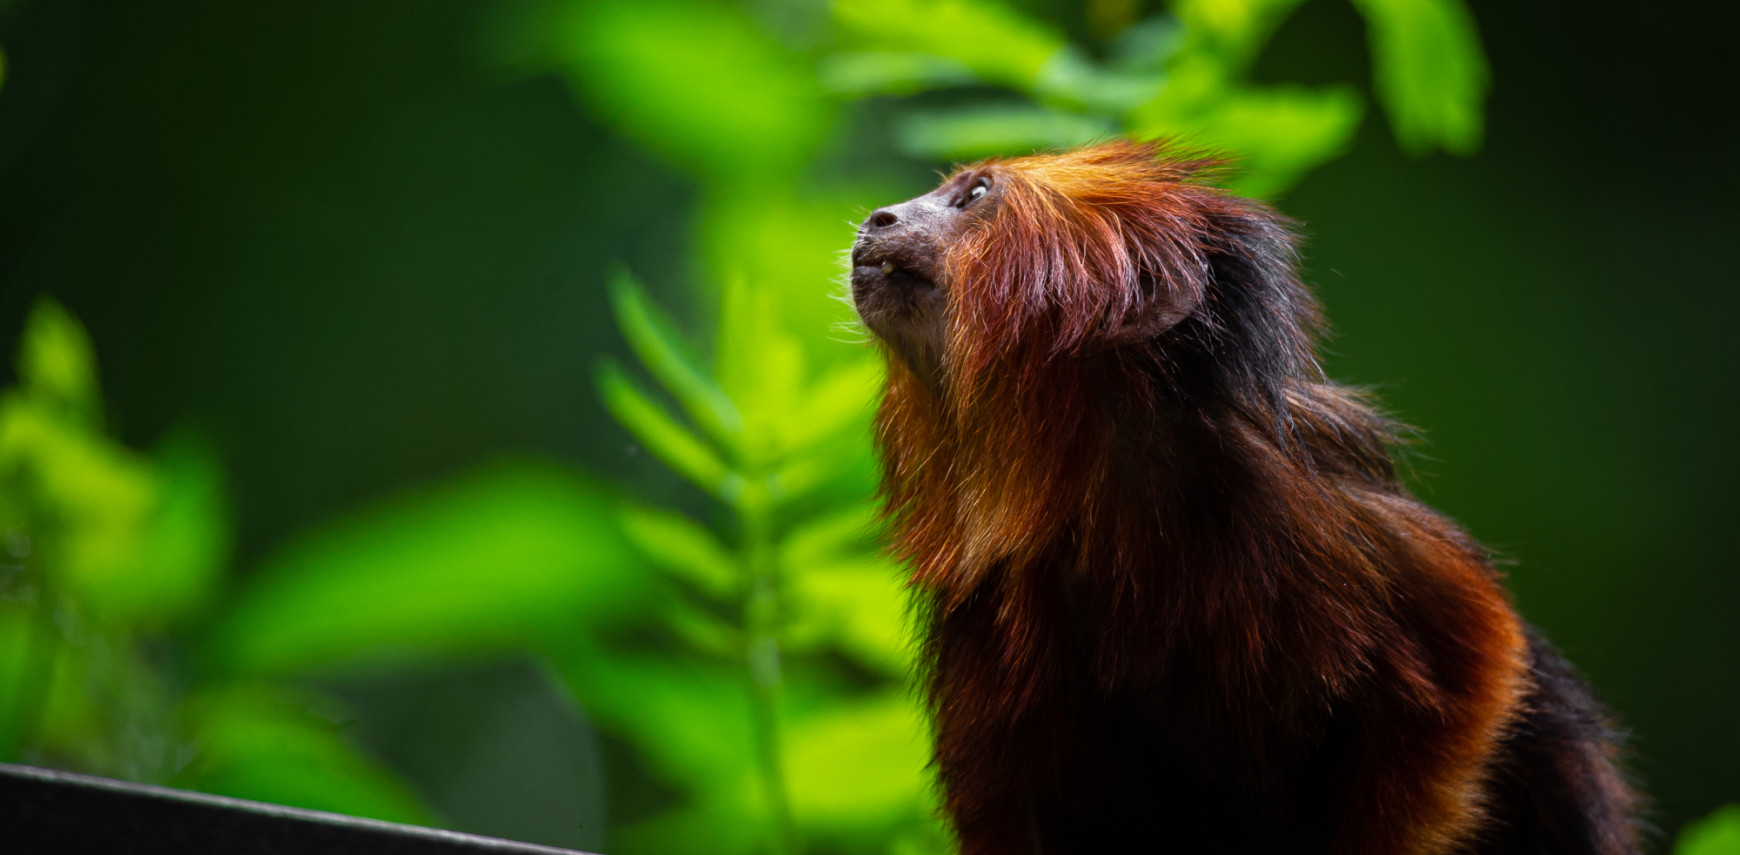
(1177,599)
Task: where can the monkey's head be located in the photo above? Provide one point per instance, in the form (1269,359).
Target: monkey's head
(1106,251)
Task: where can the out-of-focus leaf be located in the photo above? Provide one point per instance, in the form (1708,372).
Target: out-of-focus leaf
(667,439)
(660,347)
(1231,30)
(866,73)
(20,653)
(761,367)
(994,42)
(684,547)
(1431,73)
(1278,134)
(691,720)
(172,569)
(823,538)
(859,768)
(839,399)
(507,556)
(98,493)
(707,826)
(696,82)
(858,606)
(256,743)
(788,251)
(1070,79)
(1716,834)
(1146,45)
(972,133)
(700,630)
(56,364)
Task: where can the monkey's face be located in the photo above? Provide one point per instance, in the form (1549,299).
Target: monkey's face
(899,276)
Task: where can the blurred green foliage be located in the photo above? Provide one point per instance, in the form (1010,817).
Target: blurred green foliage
(1716,834)
(755,655)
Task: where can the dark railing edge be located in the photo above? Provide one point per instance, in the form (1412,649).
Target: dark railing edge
(31,794)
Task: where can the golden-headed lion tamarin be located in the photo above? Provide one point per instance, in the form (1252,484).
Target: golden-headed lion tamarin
(1176,598)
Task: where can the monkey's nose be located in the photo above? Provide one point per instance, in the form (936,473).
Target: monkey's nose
(882,219)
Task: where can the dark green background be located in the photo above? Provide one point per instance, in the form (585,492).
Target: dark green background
(338,241)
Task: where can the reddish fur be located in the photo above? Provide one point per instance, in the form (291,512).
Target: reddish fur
(1117,528)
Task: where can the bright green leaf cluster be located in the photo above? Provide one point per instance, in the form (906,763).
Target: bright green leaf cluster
(1716,834)
(744,717)
(1430,72)
(108,557)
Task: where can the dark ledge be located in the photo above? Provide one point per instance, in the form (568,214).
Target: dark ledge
(46,811)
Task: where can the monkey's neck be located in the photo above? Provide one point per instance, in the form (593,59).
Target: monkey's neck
(1163,519)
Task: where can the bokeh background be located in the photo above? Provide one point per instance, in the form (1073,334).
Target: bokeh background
(439,412)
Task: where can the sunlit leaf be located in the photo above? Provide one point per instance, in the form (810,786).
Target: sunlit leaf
(706,826)
(970,133)
(661,348)
(993,41)
(171,570)
(691,720)
(700,629)
(696,82)
(1716,834)
(858,606)
(265,745)
(664,436)
(859,767)
(1276,134)
(824,538)
(788,252)
(838,400)
(686,548)
(1070,79)
(501,558)
(56,364)
(1431,73)
(98,494)
(761,366)
(1232,30)
(866,73)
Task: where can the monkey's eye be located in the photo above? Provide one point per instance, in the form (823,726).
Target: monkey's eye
(979,188)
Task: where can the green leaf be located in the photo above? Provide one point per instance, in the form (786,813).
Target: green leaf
(682,546)
(1431,73)
(866,73)
(690,719)
(698,83)
(785,252)
(172,570)
(98,494)
(266,745)
(509,556)
(661,348)
(665,437)
(969,133)
(761,366)
(711,825)
(824,538)
(1716,834)
(1069,79)
(883,743)
(1231,31)
(1278,134)
(996,43)
(56,364)
(839,400)
(857,606)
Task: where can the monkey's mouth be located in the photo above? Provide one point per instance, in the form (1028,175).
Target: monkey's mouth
(875,270)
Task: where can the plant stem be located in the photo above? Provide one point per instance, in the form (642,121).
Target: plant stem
(761,609)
